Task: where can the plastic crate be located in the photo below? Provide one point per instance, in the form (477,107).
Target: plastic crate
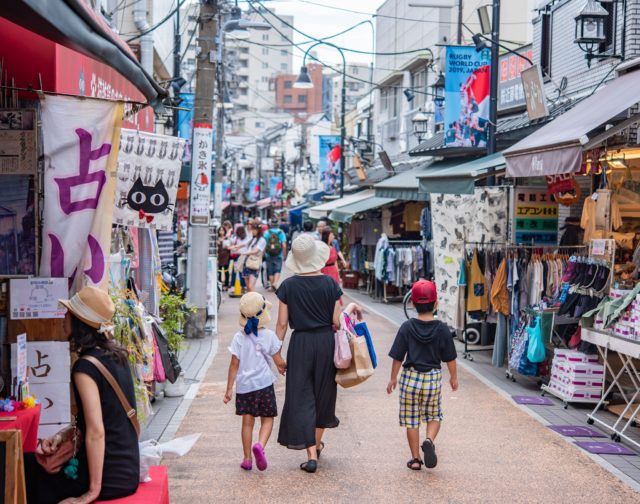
(350,279)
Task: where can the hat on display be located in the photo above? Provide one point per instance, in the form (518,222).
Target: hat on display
(92,306)
(424,292)
(254,312)
(307,255)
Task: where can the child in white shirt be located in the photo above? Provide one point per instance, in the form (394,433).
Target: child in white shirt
(253,350)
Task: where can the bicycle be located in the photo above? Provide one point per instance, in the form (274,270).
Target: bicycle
(409,310)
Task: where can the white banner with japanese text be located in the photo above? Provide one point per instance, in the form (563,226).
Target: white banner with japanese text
(81,140)
(200,189)
(147,182)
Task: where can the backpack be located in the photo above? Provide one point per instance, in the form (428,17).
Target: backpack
(274,245)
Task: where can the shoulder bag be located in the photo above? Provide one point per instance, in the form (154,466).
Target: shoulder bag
(253,262)
(342,353)
(69,447)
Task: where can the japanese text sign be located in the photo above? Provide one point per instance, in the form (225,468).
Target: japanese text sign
(200,190)
(536,217)
(55,399)
(37,298)
(81,138)
(18,152)
(510,88)
(147,181)
(47,361)
(534,93)
(21,358)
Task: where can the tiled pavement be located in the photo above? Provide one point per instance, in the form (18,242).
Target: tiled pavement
(626,468)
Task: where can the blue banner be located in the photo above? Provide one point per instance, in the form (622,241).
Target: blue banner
(253,193)
(466,92)
(185,117)
(275,188)
(329,168)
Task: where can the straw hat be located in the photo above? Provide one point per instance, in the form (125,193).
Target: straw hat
(93,306)
(307,255)
(253,304)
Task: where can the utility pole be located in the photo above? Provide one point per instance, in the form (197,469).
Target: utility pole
(217,188)
(177,49)
(198,251)
(493,95)
(459,38)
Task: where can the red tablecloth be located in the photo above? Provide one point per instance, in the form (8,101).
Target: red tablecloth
(154,492)
(27,421)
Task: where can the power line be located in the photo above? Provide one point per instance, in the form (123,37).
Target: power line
(159,23)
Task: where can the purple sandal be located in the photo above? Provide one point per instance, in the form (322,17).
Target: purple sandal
(261,458)
(247,464)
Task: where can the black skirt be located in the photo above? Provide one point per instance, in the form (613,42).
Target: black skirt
(311,390)
(259,403)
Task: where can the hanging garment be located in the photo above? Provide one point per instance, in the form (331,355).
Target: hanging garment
(588,220)
(411,216)
(425,224)
(477,299)
(500,342)
(499,291)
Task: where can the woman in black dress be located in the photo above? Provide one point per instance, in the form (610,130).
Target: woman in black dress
(310,304)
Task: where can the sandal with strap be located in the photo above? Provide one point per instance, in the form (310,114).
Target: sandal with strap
(413,462)
(321,449)
(309,466)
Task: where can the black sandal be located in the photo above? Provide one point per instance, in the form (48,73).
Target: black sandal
(321,449)
(309,466)
(414,461)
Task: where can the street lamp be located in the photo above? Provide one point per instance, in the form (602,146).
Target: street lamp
(420,125)
(438,90)
(590,28)
(304,82)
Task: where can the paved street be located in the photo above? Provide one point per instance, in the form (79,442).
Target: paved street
(489,450)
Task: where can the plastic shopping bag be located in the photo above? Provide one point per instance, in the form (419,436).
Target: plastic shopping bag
(342,353)
(152,452)
(536,351)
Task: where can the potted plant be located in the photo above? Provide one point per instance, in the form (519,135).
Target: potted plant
(173,313)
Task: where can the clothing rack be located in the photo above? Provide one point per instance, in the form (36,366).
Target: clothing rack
(394,243)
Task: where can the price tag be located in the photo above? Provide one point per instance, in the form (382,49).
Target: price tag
(598,247)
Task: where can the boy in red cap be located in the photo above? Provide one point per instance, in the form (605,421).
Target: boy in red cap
(423,343)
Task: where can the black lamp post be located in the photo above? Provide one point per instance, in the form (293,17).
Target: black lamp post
(590,28)
(438,90)
(420,125)
(304,82)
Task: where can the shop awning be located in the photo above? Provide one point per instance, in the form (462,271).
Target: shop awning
(297,210)
(557,147)
(346,213)
(263,203)
(405,186)
(73,24)
(322,211)
(460,179)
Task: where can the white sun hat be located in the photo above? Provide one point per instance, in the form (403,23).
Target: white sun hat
(307,255)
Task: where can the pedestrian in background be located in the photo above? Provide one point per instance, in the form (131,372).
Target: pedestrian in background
(307,228)
(252,351)
(320,227)
(238,242)
(330,267)
(275,251)
(310,305)
(228,228)
(255,247)
(423,343)
(224,258)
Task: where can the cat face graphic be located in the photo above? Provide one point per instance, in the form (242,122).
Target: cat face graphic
(150,199)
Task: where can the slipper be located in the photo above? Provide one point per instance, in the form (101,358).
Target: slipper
(309,466)
(414,461)
(429,450)
(261,458)
(320,450)
(247,465)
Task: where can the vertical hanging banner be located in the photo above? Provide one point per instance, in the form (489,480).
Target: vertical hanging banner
(81,141)
(200,190)
(467,101)
(147,182)
(253,191)
(275,188)
(329,161)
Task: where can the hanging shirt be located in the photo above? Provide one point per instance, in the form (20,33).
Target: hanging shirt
(425,224)
(477,299)
(588,220)
(499,292)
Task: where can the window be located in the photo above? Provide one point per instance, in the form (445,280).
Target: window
(302,98)
(284,67)
(265,36)
(545,45)
(264,79)
(354,70)
(283,52)
(391,101)
(259,124)
(288,98)
(288,84)
(419,79)
(190,32)
(191,61)
(265,51)
(284,24)
(265,65)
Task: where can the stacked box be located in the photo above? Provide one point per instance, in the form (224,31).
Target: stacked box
(576,376)
(628,325)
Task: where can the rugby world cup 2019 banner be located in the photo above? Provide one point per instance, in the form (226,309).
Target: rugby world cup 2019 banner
(329,163)
(467,84)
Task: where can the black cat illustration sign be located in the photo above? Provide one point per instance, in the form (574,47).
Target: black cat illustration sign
(147,180)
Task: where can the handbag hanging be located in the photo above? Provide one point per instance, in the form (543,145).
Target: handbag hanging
(360,368)
(253,262)
(362,330)
(342,354)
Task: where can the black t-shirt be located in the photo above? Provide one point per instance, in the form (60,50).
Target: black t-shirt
(121,472)
(311,301)
(423,345)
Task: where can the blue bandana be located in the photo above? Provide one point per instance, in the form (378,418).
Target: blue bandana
(252,322)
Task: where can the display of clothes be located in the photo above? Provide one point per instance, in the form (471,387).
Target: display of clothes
(401,263)
(364,231)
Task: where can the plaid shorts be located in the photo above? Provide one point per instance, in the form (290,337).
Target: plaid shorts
(420,397)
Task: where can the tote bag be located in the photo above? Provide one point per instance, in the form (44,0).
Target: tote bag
(361,329)
(360,368)
(536,352)
(342,353)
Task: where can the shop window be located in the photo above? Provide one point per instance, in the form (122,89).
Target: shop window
(545,45)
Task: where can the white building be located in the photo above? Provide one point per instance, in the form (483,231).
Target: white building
(357,84)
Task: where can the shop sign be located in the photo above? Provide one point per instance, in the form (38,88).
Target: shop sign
(559,183)
(81,140)
(18,152)
(37,298)
(534,93)
(510,88)
(147,181)
(329,163)
(536,217)
(467,96)
(21,358)
(200,190)
(46,361)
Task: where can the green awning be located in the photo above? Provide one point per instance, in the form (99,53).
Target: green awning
(461,178)
(405,186)
(346,213)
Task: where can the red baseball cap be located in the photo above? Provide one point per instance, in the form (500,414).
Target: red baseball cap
(424,291)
